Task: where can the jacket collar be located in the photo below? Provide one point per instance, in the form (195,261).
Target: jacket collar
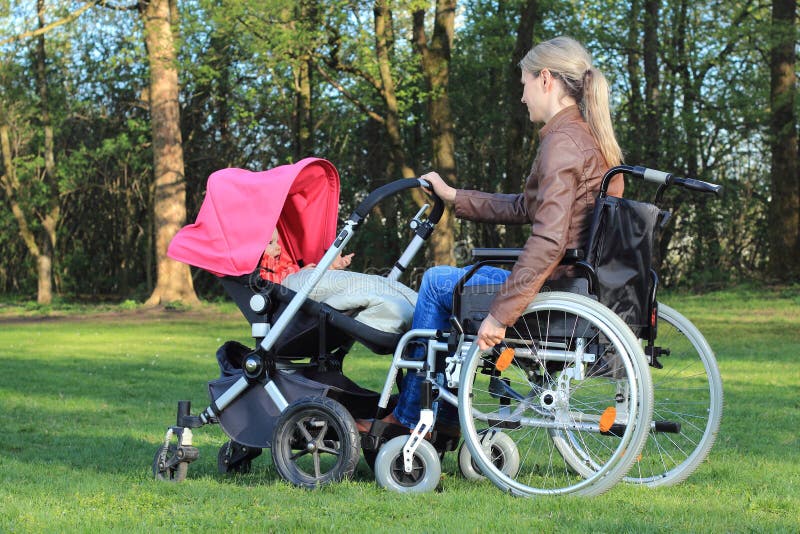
(568,114)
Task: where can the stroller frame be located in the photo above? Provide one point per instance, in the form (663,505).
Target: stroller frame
(259,366)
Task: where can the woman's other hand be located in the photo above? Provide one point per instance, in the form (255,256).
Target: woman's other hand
(442,190)
(490,333)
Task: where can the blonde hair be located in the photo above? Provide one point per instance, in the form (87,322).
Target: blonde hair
(569,61)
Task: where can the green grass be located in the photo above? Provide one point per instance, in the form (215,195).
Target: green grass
(86,401)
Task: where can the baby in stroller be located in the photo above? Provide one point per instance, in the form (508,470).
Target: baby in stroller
(275,268)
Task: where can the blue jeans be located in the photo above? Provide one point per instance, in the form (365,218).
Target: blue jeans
(433,310)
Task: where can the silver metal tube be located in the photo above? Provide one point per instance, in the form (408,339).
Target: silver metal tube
(276,395)
(448,397)
(231,393)
(550,355)
(408,254)
(399,363)
(530,422)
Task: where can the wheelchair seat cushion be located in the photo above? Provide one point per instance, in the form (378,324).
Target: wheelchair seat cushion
(476,300)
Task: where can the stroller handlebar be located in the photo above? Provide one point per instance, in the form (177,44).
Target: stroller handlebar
(664,179)
(392,188)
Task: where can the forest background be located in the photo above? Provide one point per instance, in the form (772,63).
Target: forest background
(114,112)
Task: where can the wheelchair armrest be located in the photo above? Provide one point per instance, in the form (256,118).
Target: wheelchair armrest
(571,255)
(481,254)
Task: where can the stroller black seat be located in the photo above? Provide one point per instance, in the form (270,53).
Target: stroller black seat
(317,326)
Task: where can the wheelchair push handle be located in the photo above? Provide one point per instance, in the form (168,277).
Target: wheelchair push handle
(664,179)
(697,185)
(392,188)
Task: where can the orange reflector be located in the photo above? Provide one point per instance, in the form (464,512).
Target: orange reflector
(608,418)
(504,360)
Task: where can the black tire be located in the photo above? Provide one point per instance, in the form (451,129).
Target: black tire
(162,471)
(315,442)
(236,458)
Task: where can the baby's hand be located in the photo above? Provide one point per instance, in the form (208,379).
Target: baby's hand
(342,262)
(308,266)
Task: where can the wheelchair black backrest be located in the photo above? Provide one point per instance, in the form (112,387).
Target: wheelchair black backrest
(617,260)
(620,251)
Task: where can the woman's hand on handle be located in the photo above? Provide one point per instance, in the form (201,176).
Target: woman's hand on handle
(490,333)
(442,190)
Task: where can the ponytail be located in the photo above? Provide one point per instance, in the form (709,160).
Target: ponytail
(569,61)
(597,113)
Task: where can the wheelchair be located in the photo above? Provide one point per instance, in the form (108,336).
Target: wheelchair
(534,426)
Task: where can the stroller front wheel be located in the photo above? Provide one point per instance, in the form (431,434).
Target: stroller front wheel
(315,442)
(165,467)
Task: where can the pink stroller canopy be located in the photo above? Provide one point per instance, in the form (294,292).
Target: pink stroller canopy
(242,208)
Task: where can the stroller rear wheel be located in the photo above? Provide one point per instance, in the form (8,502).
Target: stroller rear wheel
(315,442)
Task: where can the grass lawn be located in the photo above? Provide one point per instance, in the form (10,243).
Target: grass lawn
(86,399)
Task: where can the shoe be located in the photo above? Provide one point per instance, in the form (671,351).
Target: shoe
(364,425)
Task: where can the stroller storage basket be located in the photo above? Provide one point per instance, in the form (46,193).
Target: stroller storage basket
(251,418)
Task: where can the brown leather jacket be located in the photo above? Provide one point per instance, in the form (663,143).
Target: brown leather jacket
(558,200)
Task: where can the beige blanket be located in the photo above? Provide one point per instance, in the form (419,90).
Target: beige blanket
(388,305)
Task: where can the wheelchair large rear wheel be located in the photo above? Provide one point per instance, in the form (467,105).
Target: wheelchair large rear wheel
(688,404)
(569,370)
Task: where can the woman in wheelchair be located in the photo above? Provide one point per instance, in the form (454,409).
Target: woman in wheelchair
(563,90)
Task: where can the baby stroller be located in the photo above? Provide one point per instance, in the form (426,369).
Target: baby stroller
(288,393)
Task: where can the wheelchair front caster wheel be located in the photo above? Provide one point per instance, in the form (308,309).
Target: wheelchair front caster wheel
(499,447)
(390,472)
(167,467)
(315,442)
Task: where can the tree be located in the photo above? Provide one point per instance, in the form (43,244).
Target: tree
(435,56)
(173,279)
(784,227)
(37,215)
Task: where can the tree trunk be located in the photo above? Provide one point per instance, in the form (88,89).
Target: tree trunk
(173,279)
(435,66)
(305,12)
(383,36)
(651,133)
(44,260)
(303,124)
(784,213)
(635,150)
(519,129)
